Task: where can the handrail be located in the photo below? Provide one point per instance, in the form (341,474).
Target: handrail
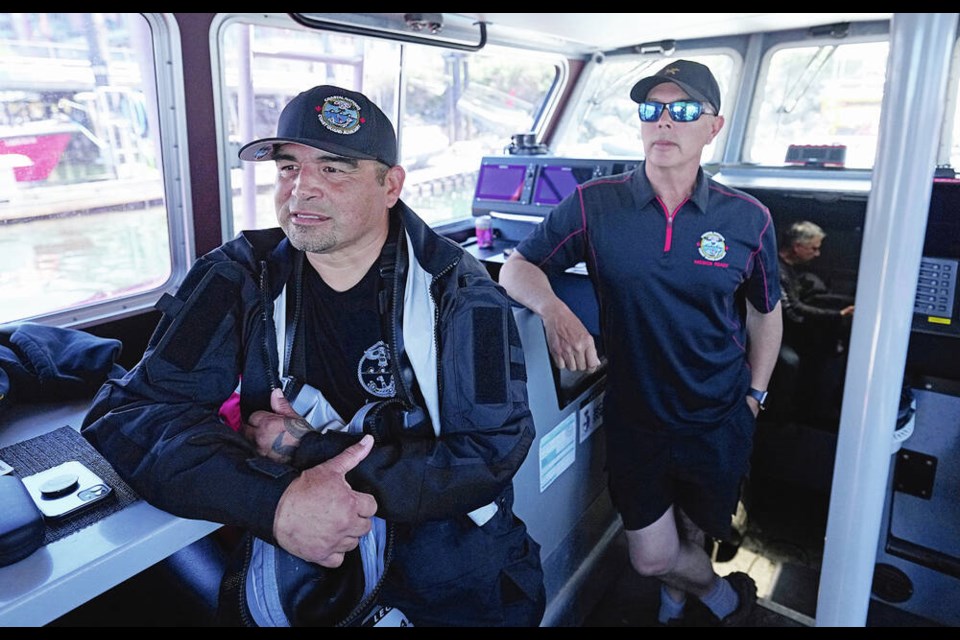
(317,23)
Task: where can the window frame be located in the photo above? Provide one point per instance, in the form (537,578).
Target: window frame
(950,132)
(174,163)
(227,151)
(752,138)
(730,103)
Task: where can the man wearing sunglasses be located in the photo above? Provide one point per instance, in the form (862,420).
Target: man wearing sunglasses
(686,275)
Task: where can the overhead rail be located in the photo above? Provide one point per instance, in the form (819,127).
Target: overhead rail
(416,22)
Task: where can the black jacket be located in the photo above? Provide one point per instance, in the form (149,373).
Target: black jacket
(159,425)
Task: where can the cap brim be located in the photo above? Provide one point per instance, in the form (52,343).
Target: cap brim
(260,150)
(640,90)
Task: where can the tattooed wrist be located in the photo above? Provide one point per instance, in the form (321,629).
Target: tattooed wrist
(282,452)
(296,427)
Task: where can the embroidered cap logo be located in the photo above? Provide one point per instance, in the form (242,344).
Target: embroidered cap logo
(340,115)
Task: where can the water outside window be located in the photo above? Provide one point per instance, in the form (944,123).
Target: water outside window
(82,209)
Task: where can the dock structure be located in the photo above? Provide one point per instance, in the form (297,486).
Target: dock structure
(36,202)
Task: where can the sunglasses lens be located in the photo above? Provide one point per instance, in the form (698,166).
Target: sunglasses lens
(685,111)
(650,111)
(682,111)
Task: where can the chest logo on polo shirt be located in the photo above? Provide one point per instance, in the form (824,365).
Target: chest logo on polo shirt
(374,373)
(712,246)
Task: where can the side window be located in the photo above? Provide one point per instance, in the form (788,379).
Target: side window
(86,222)
(449,107)
(819,95)
(952,126)
(608,125)
(459,107)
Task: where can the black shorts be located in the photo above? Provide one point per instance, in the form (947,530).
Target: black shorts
(700,473)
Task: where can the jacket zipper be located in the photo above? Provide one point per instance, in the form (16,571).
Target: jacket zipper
(365,603)
(406,397)
(266,303)
(294,324)
(436,322)
(241,579)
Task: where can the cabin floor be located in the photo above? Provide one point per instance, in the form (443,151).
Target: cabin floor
(783,528)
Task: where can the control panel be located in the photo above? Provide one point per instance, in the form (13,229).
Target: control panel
(534,184)
(935,308)
(936,288)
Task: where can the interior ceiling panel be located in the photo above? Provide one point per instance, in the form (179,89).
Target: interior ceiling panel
(607,31)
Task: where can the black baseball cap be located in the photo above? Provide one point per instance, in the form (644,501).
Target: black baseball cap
(333,119)
(694,78)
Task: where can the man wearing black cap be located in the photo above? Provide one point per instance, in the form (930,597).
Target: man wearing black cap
(382,400)
(685,270)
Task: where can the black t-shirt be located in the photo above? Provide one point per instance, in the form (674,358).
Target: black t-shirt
(346,354)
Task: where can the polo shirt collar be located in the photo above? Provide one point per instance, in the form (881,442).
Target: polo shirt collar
(644,190)
(701,192)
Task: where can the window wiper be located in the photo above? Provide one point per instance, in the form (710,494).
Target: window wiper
(615,88)
(810,72)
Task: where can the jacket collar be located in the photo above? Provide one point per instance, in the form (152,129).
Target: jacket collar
(433,252)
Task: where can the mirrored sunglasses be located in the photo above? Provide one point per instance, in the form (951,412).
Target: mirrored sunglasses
(680,111)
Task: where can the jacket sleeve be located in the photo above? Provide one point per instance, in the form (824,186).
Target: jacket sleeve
(486,431)
(797,311)
(159,425)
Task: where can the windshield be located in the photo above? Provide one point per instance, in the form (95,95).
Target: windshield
(826,96)
(606,123)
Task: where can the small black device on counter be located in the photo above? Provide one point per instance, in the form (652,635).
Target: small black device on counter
(21,523)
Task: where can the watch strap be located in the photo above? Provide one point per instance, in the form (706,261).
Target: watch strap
(759,396)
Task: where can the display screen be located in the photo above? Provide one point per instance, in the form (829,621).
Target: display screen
(936,306)
(943,221)
(556,182)
(937,283)
(501,182)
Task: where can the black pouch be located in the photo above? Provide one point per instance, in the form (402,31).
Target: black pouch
(21,523)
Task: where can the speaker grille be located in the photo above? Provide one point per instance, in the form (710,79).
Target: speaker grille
(891,584)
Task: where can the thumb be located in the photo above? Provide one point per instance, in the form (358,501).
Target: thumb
(281,406)
(350,457)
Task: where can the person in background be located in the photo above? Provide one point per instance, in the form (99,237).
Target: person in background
(382,397)
(685,271)
(816,327)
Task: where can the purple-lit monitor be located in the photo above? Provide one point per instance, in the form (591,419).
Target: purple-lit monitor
(501,182)
(556,182)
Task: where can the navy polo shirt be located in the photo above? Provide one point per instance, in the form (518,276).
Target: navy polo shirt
(670,286)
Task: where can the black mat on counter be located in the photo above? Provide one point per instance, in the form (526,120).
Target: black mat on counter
(59,446)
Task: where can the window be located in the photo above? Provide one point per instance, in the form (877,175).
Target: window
(450,107)
(86,223)
(819,95)
(955,146)
(952,126)
(608,125)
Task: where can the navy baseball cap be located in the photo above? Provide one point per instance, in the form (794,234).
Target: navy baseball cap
(333,119)
(694,78)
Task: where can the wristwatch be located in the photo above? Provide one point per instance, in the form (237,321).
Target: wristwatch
(759,396)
